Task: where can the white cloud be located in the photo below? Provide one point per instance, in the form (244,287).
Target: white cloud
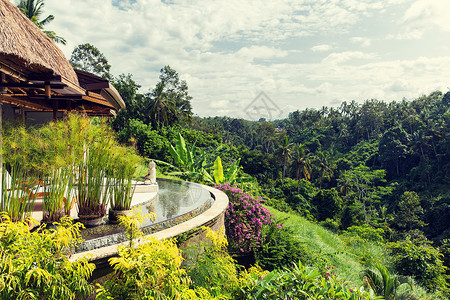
(337,58)
(260,52)
(428,13)
(363,41)
(423,16)
(399,85)
(409,34)
(321,48)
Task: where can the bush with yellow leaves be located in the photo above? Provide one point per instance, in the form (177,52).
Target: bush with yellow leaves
(34,265)
(147,268)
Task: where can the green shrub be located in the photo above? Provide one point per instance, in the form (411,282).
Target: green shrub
(421,261)
(444,248)
(34,265)
(366,232)
(327,204)
(279,248)
(352,214)
(302,283)
(330,224)
(279,204)
(250,283)
(151,271)
(296,193)
(149,142)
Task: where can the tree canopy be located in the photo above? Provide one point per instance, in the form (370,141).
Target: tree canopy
(87,57)
(33,9)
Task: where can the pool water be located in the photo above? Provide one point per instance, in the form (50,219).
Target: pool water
(175,198)
(176,202)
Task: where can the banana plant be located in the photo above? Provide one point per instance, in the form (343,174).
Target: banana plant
(188,162)
(218,175)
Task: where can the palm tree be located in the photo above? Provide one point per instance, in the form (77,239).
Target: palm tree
(33,10)
(301,163)
(325,165)
(286,154)
(385,284)
(169,101)
(161,106)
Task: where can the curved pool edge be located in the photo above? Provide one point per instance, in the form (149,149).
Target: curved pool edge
(212,217)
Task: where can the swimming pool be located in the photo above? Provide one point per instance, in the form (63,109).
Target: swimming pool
(175,202)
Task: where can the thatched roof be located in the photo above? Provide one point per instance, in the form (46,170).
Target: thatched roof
(26,49)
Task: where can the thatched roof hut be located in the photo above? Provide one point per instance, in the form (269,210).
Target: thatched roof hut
(36,75)
(25,49)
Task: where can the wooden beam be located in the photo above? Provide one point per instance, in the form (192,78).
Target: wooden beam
(48,91)
(96,86)
(10,72)
(72,86)
(35,104)
(96,98)
(43,97)
(2,79)
(31,85)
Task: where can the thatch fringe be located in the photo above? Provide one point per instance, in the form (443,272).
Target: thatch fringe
(25,47)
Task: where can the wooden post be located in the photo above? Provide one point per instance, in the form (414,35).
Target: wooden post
(2,91)
(55,110)
(48,97)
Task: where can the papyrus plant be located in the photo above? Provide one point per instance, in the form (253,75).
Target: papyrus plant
(58,194)
(18,193)
(93,185)
(124,162)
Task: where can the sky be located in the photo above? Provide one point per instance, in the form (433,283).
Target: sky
(262,58)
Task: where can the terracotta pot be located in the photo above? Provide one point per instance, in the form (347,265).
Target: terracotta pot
(91,220)
(114,215)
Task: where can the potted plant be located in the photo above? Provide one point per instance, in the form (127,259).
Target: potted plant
(93,187)
(58,194)
(121,194)
(123,164)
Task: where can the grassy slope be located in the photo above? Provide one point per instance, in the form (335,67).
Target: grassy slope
(349,260)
